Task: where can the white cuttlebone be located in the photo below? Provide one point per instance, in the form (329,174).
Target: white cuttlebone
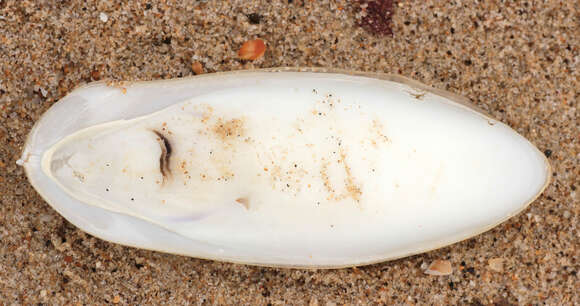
(282,167)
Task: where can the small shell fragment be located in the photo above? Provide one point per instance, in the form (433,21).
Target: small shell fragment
(439,268)
(252,50)
(496,264)
(293,168)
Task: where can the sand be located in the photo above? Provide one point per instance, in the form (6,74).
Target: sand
(516,60)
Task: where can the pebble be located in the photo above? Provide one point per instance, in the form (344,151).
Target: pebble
(103,17)
(496,264)
(197,68)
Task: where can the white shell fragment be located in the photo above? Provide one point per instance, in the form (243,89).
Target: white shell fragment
(439,268)
(280,168)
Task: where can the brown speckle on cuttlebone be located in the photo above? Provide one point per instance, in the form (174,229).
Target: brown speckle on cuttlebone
(228,130)
(351,188)
(244,202)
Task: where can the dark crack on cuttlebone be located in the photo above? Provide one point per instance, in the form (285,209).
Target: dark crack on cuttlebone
(165,156)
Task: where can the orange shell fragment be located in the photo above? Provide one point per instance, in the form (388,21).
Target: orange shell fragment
(252,50)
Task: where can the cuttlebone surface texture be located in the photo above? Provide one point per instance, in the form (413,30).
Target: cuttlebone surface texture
(297,169)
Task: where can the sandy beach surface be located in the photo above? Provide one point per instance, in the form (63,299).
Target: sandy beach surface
(516,60)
